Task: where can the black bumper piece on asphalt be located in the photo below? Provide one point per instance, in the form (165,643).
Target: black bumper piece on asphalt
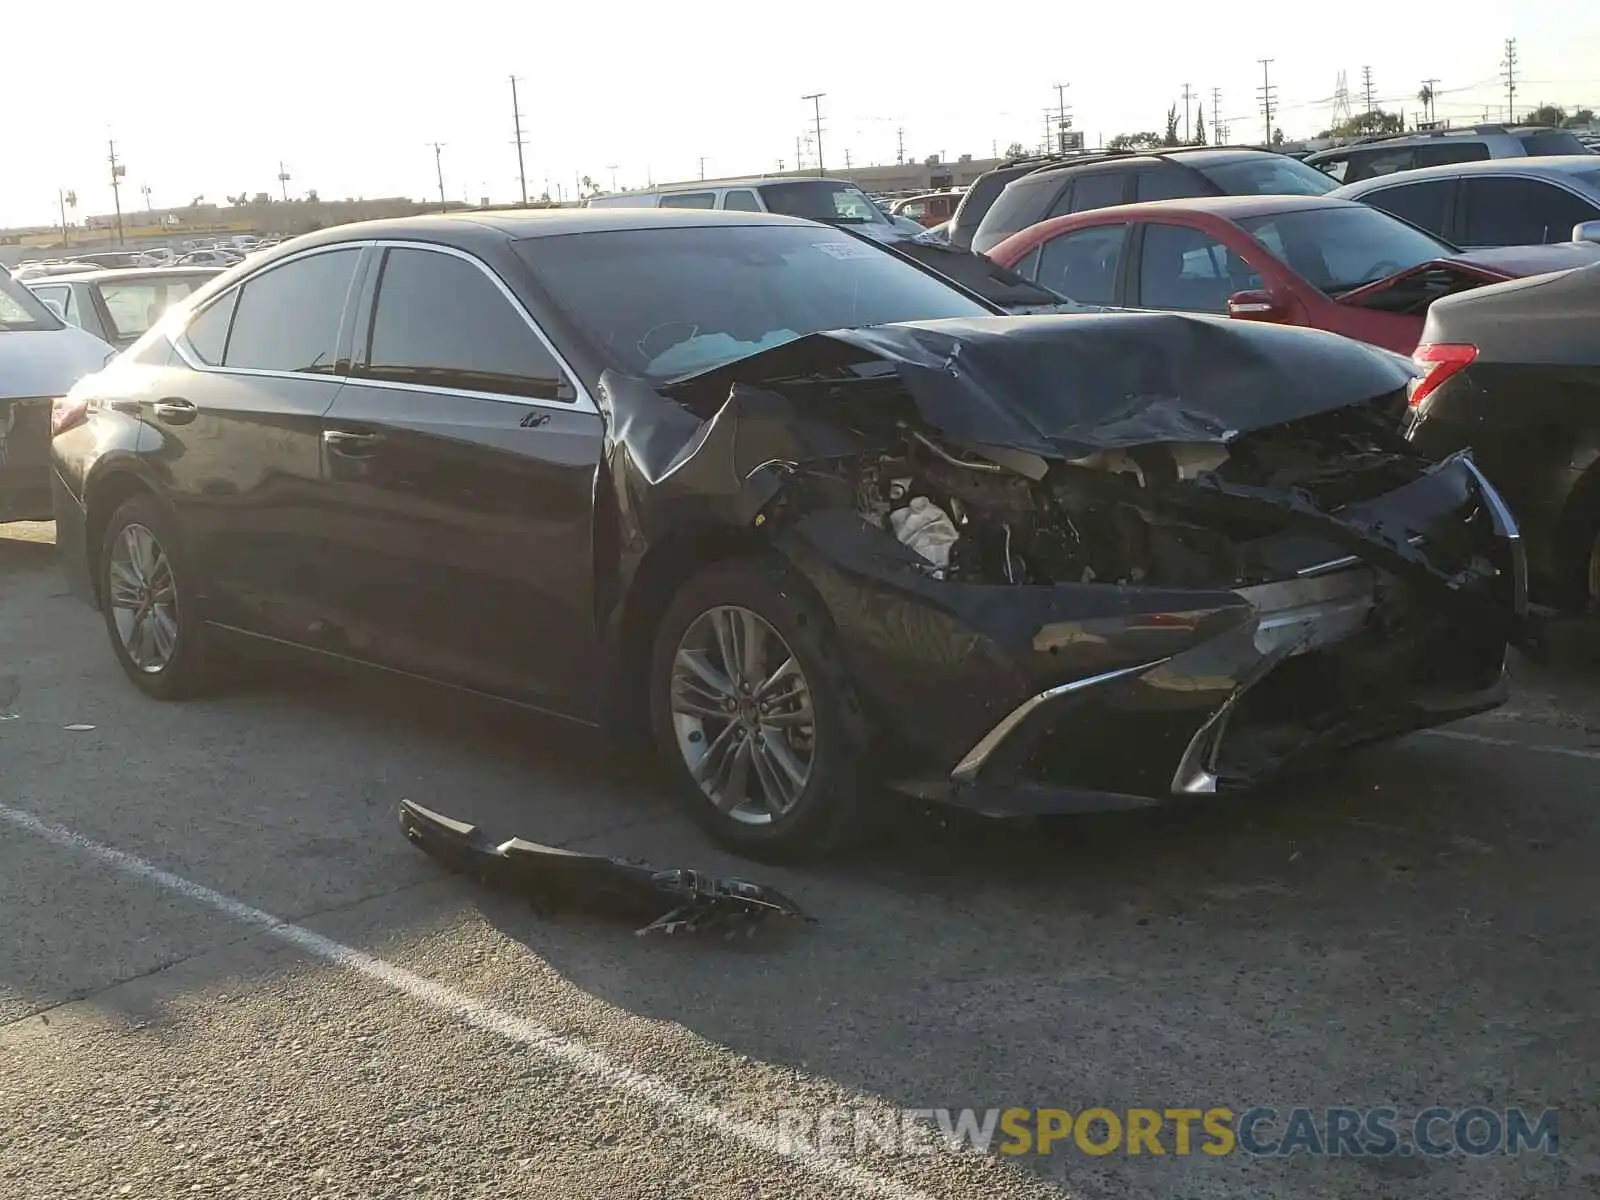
(555,879)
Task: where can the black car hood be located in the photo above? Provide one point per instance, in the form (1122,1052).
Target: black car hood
(998,285)
(1067,386)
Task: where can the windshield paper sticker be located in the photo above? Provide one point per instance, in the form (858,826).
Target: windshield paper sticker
(844,250)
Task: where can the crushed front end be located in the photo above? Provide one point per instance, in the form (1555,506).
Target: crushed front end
(1166,576)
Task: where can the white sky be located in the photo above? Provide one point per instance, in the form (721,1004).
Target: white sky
(206,98)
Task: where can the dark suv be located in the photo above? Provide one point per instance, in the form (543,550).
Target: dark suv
(1053,188)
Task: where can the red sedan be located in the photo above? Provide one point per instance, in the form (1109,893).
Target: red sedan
(1296,260)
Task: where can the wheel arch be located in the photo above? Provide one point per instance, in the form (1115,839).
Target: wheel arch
(102,497)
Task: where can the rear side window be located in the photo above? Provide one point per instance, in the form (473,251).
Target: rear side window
(1369,164)
(1552,141)
(741,200)
(287,319)
(1443,154)
(690,200)
(1165,183)
(442,322)
(1101,190)
(1020,205)
(1190,271)
(1425,205)
(1519,212)
(1082,265)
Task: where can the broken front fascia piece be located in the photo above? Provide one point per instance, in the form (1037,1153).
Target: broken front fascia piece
(926,528)
(666,901)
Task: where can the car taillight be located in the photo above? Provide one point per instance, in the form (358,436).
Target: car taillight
(65,414)
(1439,361)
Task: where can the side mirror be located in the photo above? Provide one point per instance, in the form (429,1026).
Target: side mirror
(1586,231)
(1256,306)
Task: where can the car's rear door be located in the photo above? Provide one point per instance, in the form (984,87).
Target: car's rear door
(461,462)
(234,437)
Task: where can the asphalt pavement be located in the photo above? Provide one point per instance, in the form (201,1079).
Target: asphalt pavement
(224,972)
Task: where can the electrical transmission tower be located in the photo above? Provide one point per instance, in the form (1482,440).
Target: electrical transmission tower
(1367,88)
(1341,102)
(1268,92)
(1509,65)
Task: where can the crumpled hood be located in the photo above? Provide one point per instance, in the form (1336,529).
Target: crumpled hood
(1066,386)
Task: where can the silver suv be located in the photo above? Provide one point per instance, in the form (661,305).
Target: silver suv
(1442,147)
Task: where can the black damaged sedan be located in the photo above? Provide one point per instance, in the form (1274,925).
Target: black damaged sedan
(820,520)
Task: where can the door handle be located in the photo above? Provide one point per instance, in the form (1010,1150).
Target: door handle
(174,411)
(351,445)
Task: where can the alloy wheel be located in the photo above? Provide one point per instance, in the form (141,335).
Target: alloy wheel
(143,598)
(742,713)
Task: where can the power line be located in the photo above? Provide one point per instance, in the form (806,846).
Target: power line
(1510,65)
(816,110)
(1267,92)
(516,121)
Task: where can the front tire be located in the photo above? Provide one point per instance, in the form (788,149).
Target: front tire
(754,715)
(148,601)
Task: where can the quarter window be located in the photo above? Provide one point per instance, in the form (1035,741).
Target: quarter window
(207,334)
(690,200)
(1082,265)
(442,322)
(740,200)
(287,318)
(61,302)
(1098,191)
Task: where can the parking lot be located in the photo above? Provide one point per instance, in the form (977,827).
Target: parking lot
(225,972)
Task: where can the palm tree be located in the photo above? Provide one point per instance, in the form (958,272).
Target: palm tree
(1426,97)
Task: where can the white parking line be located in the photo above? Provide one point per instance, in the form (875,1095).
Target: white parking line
(567,1050)
(1484,740)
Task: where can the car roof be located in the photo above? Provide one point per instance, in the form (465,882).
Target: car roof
(709,185)
(130,274)
(1554,165)
(499,224)
(1230,208)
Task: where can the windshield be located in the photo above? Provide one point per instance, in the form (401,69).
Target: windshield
(20,310)
(822,200)
(665,303)
(1338,249)
(1275,175)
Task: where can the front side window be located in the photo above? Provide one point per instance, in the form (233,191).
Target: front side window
(670,302)
(1082,265)
(441,322)
(689,200)
(1339,249)
(1188,270)
(1519,212)
(287,318)
(740,200)
(1426,204)
(135,307)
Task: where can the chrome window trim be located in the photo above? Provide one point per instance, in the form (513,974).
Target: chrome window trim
(583,402)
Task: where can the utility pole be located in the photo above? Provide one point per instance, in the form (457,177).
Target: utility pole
(900,151)
(1367,88)
(1430,85)
(1188,96)
(847,161)
(516,123)
(283,180)
(816,112)
(145,191)
(1266,89)
(64,198)
(1510,65)
(799,158)
(702,166)
(438,166)
(117,172)
(612,167)
(1049,119)
(1219,131)
(1063,122)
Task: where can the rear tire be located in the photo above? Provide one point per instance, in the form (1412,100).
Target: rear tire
(149,605)
(766,755)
